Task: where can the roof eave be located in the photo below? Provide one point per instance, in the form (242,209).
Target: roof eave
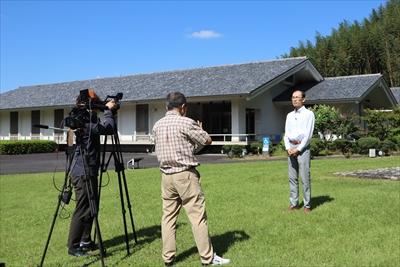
(38,107)
(306,64)
(323,101)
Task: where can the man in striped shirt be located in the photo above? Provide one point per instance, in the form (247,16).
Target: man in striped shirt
(177,138)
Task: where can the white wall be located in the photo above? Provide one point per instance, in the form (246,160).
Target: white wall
(238,117)
(156,111)
(348,109)
(24,122)
(47,118)
(270,119)
(127,119)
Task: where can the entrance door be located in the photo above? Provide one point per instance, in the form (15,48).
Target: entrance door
(142,119)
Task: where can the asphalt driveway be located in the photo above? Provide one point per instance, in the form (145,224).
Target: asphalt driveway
(49,162)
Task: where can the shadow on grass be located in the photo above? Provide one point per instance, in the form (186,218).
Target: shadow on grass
(144,236)
(221,243)
(320,200)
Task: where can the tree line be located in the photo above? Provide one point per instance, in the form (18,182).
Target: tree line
(370,46)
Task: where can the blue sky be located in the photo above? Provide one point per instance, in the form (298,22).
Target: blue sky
(57,41)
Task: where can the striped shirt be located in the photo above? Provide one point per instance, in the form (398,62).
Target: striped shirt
(177,139)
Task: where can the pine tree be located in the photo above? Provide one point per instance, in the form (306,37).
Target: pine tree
(370,46)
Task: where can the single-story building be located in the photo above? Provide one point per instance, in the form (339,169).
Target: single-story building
(236,103)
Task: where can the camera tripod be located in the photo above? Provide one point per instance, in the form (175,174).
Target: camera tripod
(65,195)
(116,154)
(93,200)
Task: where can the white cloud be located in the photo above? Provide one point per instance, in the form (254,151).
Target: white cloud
(205,34)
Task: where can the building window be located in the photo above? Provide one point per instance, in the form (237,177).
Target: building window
(217,119)
(250,123)
(14,122)
(35,120)
(58,118)
(142,119)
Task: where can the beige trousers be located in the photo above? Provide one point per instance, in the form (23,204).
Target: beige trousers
(183,189)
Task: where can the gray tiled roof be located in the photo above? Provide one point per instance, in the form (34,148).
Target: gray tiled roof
(345,87)
(211,81)
(336,88)
(396,93)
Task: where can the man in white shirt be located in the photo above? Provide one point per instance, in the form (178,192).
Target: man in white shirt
(299,128)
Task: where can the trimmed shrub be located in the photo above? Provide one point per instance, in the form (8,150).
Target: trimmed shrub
(332,145)
(237,150)
(27,147)
(278,149)
(256,147)
(387,146)
(344,146)
(316,146)
(366,143)
(226,148)
(233,150)
(396,139)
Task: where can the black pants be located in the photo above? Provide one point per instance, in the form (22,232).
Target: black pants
(82,219)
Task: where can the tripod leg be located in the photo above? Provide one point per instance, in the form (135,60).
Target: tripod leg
(51,230)
(121,195)
(69,158)
(90,192)
(103,169)
(101,247)
(129,205)
(119,168)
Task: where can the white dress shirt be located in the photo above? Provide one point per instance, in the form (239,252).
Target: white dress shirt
(299,128)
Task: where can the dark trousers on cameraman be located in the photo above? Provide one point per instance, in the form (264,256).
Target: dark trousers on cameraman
(82,218)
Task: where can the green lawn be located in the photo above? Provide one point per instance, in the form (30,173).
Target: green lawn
(355,222)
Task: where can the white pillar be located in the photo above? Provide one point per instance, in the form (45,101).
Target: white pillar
(238,116)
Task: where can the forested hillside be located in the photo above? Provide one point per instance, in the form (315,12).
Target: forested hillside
(369,46)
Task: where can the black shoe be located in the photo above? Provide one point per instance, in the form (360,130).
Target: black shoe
(77,252)
(88,246)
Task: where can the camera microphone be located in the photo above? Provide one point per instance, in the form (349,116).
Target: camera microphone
(41,126)
(49,127)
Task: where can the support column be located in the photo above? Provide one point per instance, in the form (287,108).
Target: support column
(238,116)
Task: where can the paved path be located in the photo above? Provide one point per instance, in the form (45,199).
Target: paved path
(382,173)
(48,162)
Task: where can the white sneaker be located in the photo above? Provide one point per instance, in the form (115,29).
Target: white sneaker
(217,260)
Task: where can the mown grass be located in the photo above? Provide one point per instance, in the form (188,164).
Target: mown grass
(355,222)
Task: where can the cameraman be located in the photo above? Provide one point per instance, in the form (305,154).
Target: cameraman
(177,138)
(87,152)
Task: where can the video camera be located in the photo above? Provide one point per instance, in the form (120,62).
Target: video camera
(86,101)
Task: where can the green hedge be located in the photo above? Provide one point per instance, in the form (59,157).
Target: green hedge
(27,147)
(387,146)
(344,146)
(255,147)
(365,143)
(233,150)
(317,145)
(396,139)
